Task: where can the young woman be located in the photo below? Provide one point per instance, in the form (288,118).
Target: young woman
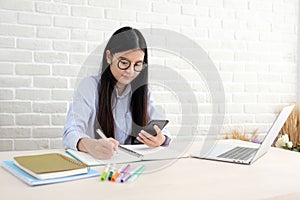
(117,102)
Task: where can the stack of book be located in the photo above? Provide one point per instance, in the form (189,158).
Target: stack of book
(47,168)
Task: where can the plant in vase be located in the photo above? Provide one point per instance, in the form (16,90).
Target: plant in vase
(289,135)
(284,142)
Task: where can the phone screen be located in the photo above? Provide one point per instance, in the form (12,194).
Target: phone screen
(150,129)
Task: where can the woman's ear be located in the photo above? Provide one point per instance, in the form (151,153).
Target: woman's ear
(108,56)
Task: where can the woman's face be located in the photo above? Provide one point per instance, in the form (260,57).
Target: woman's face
(133,58)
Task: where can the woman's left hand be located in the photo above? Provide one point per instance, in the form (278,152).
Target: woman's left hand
(150,140)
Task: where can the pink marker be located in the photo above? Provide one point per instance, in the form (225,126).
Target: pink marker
(123,172)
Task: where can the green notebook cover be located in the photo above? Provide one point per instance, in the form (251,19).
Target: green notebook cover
(50,165)
(32,181)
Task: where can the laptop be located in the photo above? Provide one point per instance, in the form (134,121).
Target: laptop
(245,155)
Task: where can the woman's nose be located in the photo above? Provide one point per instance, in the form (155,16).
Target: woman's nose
(130,68)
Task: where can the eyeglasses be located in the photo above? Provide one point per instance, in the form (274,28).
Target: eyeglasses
(124,64)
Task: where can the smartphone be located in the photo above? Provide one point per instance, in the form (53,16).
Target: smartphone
(150,129)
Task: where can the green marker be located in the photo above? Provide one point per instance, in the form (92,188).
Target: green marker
(112,171)
(137,173)
(104,173)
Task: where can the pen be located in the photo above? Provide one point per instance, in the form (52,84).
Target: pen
(104,174)
(112,170)
(137,173)
(128,175)
(101,134)
(123,172)
(115,176)
(131,152)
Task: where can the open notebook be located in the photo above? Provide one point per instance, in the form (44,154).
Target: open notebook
(157,153)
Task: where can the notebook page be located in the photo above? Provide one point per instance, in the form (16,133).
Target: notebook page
(143,149)
(119,157)
(155,153)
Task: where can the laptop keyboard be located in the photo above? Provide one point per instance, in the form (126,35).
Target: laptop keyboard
(238,153)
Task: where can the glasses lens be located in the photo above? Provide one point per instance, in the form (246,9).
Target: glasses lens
(124,64)
(138,67)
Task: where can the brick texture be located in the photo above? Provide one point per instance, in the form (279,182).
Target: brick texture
(47,46)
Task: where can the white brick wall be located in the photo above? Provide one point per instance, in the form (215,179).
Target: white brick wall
(43,45)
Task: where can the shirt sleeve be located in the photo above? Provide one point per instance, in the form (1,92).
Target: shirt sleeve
(79,113)
(156,112)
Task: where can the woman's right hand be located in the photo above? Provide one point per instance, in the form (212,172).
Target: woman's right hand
(98,148)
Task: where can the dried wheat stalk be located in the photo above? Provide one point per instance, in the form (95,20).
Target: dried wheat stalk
(242,135)
(291,127)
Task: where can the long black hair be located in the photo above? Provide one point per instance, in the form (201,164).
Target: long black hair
(123,39)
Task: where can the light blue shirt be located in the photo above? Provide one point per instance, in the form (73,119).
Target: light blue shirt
(80,121)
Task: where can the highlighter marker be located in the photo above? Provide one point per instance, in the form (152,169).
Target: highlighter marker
(112,170)
(123,172)
(136,174)
(115,176)
(125,178)
(128,175)
(104,174)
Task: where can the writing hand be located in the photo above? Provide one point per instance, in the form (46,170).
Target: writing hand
(99,148)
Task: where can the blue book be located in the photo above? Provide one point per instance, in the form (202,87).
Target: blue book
(26,178)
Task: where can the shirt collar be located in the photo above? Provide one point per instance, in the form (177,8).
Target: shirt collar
(126,92)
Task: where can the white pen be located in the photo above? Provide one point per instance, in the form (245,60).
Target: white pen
(101,134)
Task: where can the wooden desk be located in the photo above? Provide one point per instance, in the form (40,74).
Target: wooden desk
(274,176)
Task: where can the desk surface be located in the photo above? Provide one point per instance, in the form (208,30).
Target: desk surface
(274,176)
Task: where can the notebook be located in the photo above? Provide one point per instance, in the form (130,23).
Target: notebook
(246,155)
(51,165)
(32,181)
(148,153)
